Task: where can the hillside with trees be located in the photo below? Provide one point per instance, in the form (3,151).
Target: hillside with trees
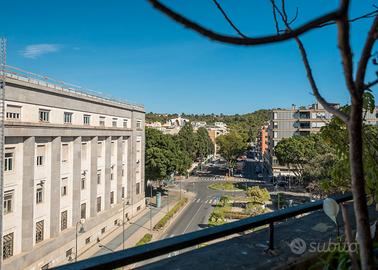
(246,125)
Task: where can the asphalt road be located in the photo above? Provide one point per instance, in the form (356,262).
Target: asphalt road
(196,214)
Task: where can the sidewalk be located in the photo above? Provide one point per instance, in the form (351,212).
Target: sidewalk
(134,230)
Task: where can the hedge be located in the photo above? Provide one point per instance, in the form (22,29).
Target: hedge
(145,239)
(162,222)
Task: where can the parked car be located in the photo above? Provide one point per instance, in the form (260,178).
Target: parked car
(239,175)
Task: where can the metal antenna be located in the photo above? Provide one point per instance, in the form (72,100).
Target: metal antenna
(3,53)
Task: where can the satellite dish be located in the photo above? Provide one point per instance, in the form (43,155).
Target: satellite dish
(331,208)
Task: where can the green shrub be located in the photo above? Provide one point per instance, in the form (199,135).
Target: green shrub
(162,222)
(258,195)
(228,186)
(145,239)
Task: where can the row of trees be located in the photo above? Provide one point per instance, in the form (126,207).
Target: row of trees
(167,154)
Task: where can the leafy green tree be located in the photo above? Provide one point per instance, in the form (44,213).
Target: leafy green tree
(186,140)
(204,145)
(231,146)
(302,154)
(163,156)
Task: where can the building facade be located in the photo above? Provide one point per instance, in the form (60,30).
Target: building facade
(297,121)
(70,158)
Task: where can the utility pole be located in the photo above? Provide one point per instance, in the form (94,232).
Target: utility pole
(3,53)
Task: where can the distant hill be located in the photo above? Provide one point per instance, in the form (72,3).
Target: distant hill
(246,124)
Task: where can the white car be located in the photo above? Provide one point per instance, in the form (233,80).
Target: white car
(260,176)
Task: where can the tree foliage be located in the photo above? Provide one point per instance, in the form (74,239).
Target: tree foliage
(231,146)
(167,154)
(246,125)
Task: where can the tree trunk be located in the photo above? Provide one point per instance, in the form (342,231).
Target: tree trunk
(358,184)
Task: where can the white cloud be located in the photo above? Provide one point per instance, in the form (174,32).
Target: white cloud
(36,50)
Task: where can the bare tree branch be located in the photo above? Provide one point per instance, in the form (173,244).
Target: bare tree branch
(370,84)
(275,19)
(344,117)
(228,19)
(244,41)
(366,54)
(365,16)
(344,47)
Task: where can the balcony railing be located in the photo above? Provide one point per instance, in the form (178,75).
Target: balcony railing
(165,246)
(59,85)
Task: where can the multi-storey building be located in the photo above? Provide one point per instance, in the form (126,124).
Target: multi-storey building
(300,121)
(70,156)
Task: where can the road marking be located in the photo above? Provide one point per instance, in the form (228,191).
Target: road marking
(198,200)
(192,218)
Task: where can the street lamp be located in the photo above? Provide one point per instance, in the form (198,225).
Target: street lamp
(123,223)
(81,223)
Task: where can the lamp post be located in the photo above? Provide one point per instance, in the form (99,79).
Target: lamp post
(81,223)
(123,222)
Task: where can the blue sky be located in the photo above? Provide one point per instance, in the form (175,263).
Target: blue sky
(127,49)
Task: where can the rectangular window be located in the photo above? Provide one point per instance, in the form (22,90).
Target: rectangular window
(64,187)
(65,152)
(39,228)
(112,172)
(125,123)
(44,115)
(275,134)
(8,240)
(83,183)
(8,201)
(103,230)
(98,204)
(83,210)
(87,240)
(13,112)
(123,192)
(137,188)
(40,155)
(8,160)
(114,122)
(84,148)
(67,118)
(112,149)
(39,195)
(112,197)
(102,121)
(275,115)
(99,149)
(139,124)
(275,125)
(63,220)
(123,170)
(87,119)
(69,253)
(98,177)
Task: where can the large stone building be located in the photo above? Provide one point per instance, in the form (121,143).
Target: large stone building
(70,156)
(304,120)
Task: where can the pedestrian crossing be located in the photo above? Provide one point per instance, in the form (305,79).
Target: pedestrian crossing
(211,201)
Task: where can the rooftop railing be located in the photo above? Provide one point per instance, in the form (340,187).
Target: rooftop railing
(158,248)
(59,85)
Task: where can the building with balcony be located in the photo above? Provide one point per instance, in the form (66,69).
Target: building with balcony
(298,121)
(70,156)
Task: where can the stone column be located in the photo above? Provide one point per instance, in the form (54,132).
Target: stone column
(130,169)
(76,179)
(93,177)
(28,194)
(107,172)
(56,145)
(119,169)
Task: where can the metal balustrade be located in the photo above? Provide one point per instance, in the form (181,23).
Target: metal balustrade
(161,247)
(26,76)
